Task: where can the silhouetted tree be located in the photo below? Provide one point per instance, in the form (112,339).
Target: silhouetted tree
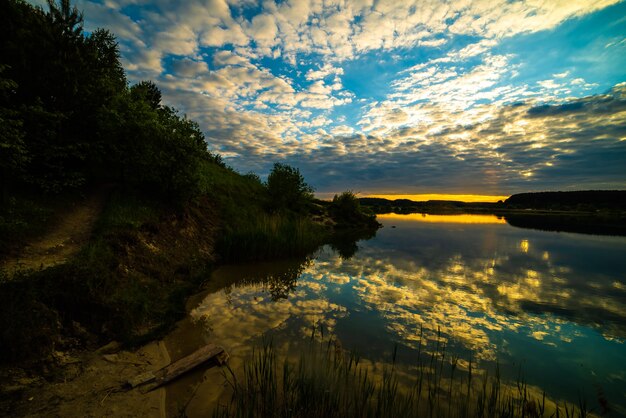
(346,210)
(69,118)
(66,17)
(287,188)
(13,154)
(148,92)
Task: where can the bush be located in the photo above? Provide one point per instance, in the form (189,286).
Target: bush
(346,210)
(287,189)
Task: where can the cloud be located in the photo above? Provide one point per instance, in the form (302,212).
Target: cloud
(378,95)
(189,68)
(342,130)
(323,72)
(334,30)
(263,30)
(576,144)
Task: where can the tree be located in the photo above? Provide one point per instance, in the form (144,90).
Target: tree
(346,206)
(346,210)
(148,92)
(287,188)
(69,119)
(67,18)
(13,154)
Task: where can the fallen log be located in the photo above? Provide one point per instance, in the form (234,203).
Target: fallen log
(160,377)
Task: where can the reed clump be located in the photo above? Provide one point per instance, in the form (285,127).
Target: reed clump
(264,236)
(326,381)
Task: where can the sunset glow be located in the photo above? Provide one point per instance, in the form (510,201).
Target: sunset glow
(453,197)
(454,219)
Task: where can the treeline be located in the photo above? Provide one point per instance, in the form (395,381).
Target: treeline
(380,205)
(588,200)
(580,201)
(69,117)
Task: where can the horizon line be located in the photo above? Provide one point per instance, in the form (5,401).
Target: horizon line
(424,197)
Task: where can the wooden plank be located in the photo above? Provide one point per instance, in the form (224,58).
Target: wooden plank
(143,378)
(185,364)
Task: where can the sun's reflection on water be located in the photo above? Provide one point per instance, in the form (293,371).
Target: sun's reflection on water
(455,219)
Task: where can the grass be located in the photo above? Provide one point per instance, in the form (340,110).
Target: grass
(125,210)
(22,217)
(325,381)
(266,236)
(250,229)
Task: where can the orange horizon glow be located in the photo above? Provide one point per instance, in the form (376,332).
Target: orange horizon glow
(454,219)
(426,197)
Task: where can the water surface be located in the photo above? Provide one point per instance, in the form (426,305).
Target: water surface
(550,304)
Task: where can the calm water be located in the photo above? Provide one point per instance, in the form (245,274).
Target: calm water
(551,303)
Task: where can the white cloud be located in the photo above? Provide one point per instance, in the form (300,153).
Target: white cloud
(342,130)
(263,30)
(325,71)
(561,75)
(549,84)
(189,68)
(217,36)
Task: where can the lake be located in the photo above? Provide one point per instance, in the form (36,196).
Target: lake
(547,306)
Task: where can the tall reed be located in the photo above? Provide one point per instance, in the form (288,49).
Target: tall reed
(263,236)
(326,381)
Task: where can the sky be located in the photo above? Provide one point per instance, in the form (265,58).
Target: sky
(489,97)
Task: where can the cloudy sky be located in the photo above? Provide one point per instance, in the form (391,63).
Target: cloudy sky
(393,96)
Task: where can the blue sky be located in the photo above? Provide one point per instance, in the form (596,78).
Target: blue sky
(420,96)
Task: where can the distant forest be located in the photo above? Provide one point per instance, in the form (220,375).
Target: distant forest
(581,201)
(70,119)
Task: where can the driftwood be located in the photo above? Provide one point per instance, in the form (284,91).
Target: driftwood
(158,378)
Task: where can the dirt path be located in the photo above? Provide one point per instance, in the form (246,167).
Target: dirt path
(64,240)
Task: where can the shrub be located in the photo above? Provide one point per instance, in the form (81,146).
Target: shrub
(287,189)
(346,210)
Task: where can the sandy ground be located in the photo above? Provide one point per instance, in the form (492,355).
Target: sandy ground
(93,386)
(64,240)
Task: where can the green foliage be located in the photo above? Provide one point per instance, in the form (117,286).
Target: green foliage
(262,236)
(27,326)
(346,210)
(346,205)
(287,189)
(127,211)
(22,218)
(253,176)
(13,154)
(249,231)
(148,92)
(66,18)
(71,120)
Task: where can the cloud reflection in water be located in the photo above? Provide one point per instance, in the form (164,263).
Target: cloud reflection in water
(497,291)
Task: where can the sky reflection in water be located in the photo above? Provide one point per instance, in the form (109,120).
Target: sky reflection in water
(554,303)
